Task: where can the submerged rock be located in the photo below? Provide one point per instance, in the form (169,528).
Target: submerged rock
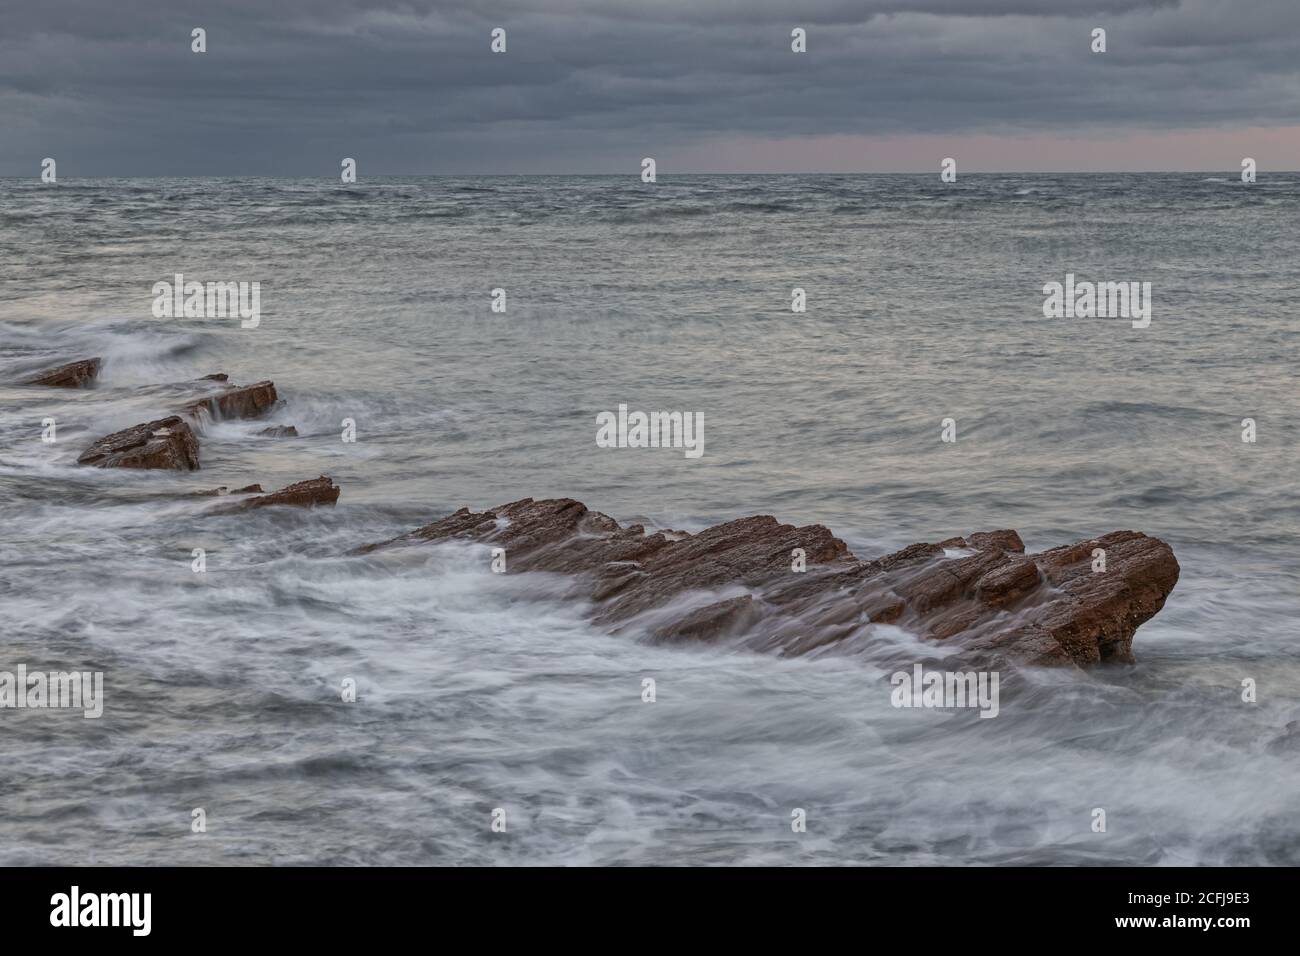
(235,401)
(302,494)
(221,490)
(165,443)
(989,604)
(73,375)
(279,431)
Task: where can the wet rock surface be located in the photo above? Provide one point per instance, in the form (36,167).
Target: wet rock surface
(979,598)
(73,375)
(301,494)
(171,442)
(235,401)
(165,443)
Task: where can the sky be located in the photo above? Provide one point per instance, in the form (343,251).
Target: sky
(291,87)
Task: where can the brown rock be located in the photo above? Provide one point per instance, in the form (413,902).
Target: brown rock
(302,494)
(73,375)
(992,606)
(1008,582)
(996,541)
(280,431)
(243,401)
(166,443)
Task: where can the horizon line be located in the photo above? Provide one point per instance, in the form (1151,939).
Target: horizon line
(635,174)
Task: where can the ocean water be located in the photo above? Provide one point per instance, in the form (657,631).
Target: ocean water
(479,691)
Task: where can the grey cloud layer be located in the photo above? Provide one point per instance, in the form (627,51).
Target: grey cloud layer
(289,86)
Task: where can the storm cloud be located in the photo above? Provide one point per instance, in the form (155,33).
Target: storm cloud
(289,87)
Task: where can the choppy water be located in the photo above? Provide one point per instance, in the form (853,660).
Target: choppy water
(480,691)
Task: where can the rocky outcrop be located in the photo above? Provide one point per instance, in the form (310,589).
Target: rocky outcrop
(73,375)
(165,443)
(980,598)
(302,494)
(235,401)
(170,442)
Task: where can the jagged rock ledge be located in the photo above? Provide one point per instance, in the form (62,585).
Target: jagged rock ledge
(301,494)
(72,375)
(981,597)
(170,442)
(235,401)
(165,443)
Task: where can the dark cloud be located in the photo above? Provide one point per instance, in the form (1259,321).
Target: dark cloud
(288,87)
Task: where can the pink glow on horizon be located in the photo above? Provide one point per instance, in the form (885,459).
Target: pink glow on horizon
(1195,150)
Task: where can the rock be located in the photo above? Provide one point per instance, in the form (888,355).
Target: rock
(302,494)
(280,431)
(73,375)
(165,443)
(992,605)
(1007,583)
(215,377)
(221,490)
(244,401)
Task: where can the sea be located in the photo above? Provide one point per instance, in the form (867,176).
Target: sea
(492,723)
